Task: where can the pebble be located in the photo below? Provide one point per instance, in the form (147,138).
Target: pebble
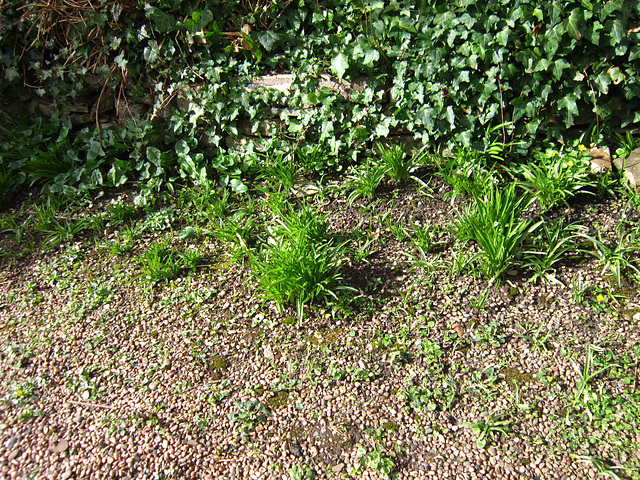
(60,447)
(11,442)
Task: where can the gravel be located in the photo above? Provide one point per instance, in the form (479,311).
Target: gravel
(197,378)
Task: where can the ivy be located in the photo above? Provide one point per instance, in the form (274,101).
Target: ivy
(440,71)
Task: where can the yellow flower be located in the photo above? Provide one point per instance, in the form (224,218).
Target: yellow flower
(569,163)
(549,379)
(600,298)
(582,148)
(19,393)
(553,154)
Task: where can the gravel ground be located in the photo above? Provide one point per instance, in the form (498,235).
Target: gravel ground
(106,375)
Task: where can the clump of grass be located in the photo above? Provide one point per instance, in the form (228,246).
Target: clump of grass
(299,262)
(553,242)
(555,176)
(395,162)
(365,181)
(495,222)
(161,263)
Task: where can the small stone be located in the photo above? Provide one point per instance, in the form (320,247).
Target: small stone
(153,385)
(268,353)
(295,449)
(337,468)
(512,272)
(60,447)
(600,159)
(66,475)
(11,442)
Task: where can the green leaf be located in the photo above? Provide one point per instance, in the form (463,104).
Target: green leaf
(570,105)
(339,65)
(182,148)
(573,23)
(602,81)
(238,186)
(371,56)
(617,32)
(268,39)
(503,37)
(151,52)
(451,116)
(164,22)
(187,233)
(541,65)
(559,66)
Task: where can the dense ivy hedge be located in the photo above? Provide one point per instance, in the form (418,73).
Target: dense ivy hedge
(442,70)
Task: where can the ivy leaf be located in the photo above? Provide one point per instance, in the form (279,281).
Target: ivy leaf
(151,52)
(617,32)
(339,65)
(451,116)
(371,56)
(572,24)
(164,21)
(616,75)
(268,39)
(503,37)
(569,104)
(559,66)
(602,81)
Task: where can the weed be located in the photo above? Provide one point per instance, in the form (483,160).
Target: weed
(317,160)
(555,176)
(432,394)
(395,162)
(487,430)
(426,238)
(627,144)
(552,243)
(120,213)
(299,262)
(465,173)
(235,231)
(280,172)
(494,222)
(159,220)
(249,414)
(536,336)
(378,460)
(479,301)
(365,181)
(160,263)
(301,472)
(615,257)
(397,227)
(25,392)
(584,389)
